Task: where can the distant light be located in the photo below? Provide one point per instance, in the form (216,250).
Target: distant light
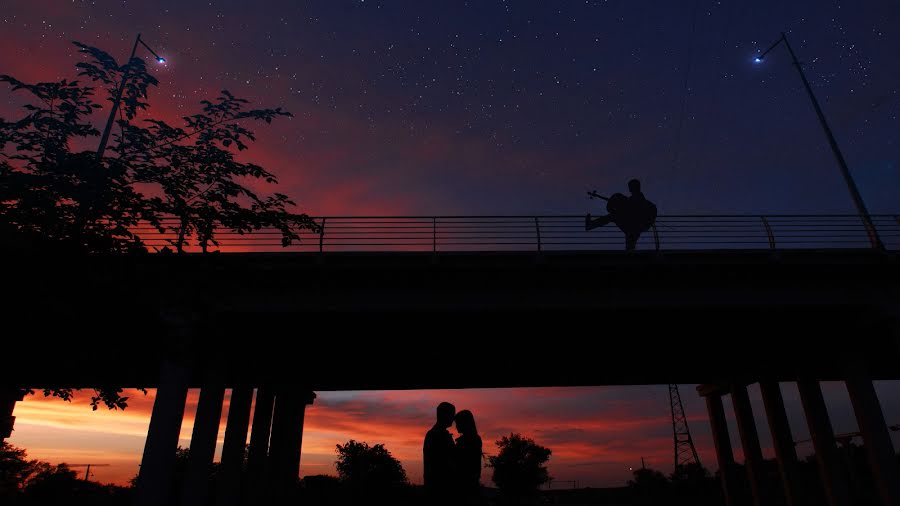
(161,59)
(758,59)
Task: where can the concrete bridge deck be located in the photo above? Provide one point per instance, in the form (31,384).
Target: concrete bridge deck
(353,320)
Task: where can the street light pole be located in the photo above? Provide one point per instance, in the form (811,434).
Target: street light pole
(104,139)
(874,239)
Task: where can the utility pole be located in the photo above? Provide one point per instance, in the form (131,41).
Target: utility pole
(87,471)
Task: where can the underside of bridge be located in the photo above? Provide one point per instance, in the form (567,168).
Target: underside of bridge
(278,327)
(353,321)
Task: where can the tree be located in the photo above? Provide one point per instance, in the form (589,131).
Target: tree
(53,484)
(32,482)
(365,467)
(56,199)
(519,466)
(15,469)
(202,183)
(50,195)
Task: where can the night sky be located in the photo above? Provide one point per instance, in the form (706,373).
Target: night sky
(494,107)
(519,107)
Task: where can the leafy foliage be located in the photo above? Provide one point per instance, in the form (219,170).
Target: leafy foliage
(368,467)
(51,196)
(102,68)
(202,182)
(519,466)
(111,397)
(32,482)
(15,469)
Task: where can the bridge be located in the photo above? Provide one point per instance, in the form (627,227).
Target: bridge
(744,299)
(556,233)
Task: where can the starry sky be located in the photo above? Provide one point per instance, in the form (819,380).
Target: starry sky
(456,107)
(501,107)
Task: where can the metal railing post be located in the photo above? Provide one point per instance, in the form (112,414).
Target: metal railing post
(322,235)
(769,233)
(537,230)
(655,236)
(434,234)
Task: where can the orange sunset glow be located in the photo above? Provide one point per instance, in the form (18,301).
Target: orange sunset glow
(596,433)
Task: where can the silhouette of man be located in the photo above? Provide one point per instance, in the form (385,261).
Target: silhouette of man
(438,456)
(633,215)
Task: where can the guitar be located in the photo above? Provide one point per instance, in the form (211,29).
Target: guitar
(614,203)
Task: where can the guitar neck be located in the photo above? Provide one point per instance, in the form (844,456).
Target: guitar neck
(594,194)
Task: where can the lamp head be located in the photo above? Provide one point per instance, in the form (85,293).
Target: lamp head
(160,59)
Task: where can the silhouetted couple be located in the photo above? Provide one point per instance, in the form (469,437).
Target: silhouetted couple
(633,215)
(452,470)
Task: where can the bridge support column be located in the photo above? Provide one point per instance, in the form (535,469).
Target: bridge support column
(8,399)
(753,458)
(724,453)
(822,434)
(229,486)
(879,448)
(203,442)
(258,456)
(158,462)
(287,439)
(782,440)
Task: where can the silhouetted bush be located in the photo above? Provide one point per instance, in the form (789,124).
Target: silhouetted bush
(369,471)
(26,482)
(519,468)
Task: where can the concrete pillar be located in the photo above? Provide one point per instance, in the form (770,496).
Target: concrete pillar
(229,489)
(879,448)
(155,477)
(724,453)
(782,440)
(753,457)
(203,443)
(287,439)
(8,399)
(822,434)
(258,455)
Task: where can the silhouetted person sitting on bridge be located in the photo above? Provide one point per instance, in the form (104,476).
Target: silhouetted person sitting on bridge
(438,457)
(633,215)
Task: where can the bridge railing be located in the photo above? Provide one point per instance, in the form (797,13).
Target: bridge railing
(555,233)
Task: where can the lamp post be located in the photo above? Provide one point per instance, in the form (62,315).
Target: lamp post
(115,107)
(874,239)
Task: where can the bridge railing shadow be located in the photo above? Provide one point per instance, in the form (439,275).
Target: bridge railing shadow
(551,233)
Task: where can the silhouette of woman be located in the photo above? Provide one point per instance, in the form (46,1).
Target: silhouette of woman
(468,458)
